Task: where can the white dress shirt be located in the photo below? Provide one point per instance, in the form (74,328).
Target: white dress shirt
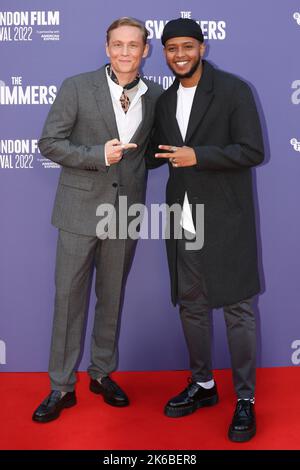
(127,123)
(185,98)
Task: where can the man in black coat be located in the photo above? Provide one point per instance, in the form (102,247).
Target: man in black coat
(208,127)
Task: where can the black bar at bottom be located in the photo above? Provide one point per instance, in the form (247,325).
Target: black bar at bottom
(134,458)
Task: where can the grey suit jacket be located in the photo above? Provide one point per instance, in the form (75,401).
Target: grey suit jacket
(79,123)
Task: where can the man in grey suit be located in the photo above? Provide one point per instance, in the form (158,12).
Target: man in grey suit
(98,130)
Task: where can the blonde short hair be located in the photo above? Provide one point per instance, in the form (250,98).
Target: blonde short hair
(128,21)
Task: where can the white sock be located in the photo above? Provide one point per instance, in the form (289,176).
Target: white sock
(207,385)
(100,378)
(251,399)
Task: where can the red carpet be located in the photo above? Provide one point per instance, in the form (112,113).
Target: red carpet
(94,425)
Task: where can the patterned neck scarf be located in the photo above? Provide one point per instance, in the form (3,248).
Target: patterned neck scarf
(124,100)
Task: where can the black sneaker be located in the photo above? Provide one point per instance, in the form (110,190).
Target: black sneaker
(243,426)
(110,390)
(190,399)
(51,407)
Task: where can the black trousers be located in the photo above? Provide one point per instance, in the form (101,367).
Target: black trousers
(196,320)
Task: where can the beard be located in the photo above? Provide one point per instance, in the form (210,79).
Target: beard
(187,74)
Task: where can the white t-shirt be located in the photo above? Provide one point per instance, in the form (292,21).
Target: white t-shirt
(185,98)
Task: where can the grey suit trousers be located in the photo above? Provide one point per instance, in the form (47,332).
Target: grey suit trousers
(77,255)
(197,326)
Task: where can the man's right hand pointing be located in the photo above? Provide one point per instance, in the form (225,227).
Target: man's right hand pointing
(114,150)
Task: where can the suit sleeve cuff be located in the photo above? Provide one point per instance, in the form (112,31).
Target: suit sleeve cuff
(105,157)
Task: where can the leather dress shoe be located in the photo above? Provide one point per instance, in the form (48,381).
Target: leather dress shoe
(111,392)
(51,407)
(243,426)
(190,399)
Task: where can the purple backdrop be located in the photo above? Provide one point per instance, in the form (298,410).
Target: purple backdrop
(256,40)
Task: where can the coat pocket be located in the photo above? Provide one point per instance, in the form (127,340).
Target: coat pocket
(229,194)
(77,181)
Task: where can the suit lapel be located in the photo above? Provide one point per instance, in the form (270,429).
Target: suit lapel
(104,102)
(202,100)
(146,114)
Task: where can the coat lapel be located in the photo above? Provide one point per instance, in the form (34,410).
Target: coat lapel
(202,100)
(104,102)
(172,124)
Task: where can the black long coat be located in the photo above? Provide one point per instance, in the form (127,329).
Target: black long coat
(225,133)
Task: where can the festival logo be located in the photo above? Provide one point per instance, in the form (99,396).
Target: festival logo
(296,17)
(164,80)
(26,26)
(295,97)
(212,29)
(295,144)
(22,154)
(16,93)
(2,352)
(296,354)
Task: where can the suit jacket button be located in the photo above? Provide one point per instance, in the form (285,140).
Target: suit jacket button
(115,185)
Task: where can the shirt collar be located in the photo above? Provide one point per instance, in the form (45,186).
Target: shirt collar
(117,90)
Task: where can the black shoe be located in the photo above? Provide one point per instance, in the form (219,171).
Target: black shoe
(190,399)
(51,407)
(111,392)
(243,426)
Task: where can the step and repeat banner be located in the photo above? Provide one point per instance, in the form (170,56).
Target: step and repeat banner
(42,43)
